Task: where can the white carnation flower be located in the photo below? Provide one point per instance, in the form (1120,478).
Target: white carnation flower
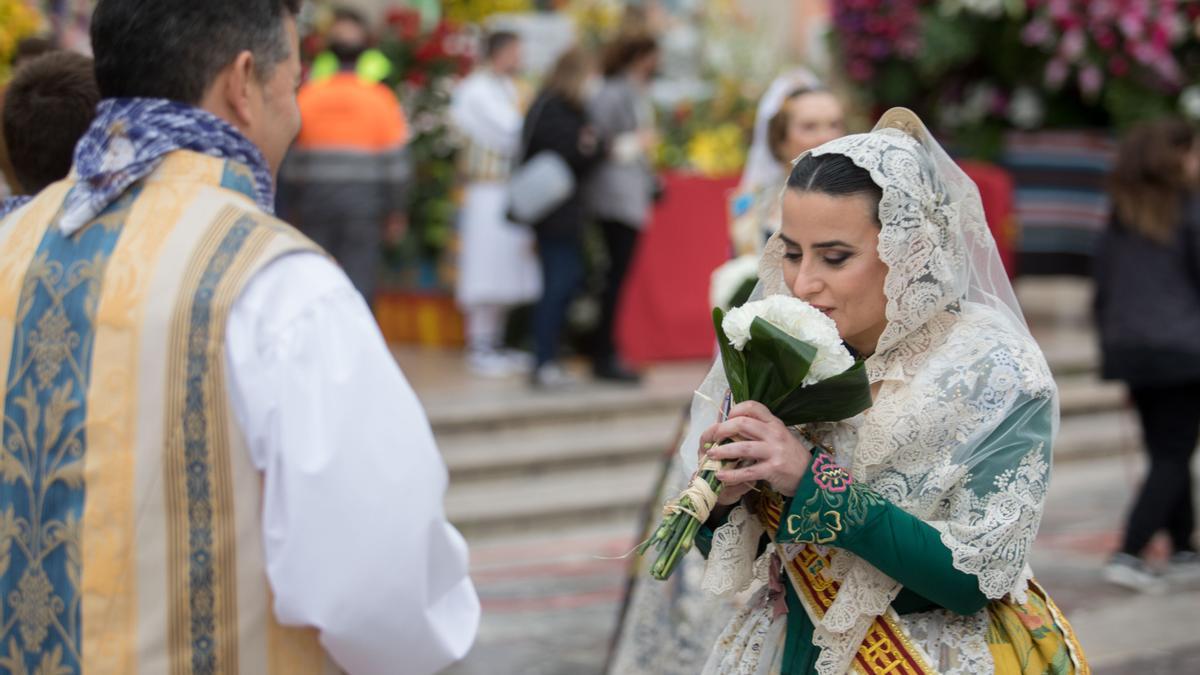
(799,320)
(1026,110)
(728,278)
(1189,102)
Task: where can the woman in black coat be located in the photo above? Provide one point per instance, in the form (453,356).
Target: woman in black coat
(557,122)
(1148,314)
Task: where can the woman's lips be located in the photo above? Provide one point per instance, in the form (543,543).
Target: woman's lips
(823,310)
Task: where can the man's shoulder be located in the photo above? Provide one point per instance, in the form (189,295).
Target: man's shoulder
(238,209)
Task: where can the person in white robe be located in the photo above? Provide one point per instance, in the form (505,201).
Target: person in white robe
(497,262)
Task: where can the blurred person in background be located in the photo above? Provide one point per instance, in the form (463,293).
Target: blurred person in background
(1147,308)
(621,191)
(794,116)
(27,49)
(346,179)
(47,106)
(497,264)
(557,122)
(212,424)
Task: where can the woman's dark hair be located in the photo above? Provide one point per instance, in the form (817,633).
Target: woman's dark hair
(626,50)
(836,176)
(1147,178)
(174,49)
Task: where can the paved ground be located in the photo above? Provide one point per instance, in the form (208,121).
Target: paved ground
(550,603)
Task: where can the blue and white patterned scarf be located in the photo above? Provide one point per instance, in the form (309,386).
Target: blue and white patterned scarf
(10,204)
(129,139)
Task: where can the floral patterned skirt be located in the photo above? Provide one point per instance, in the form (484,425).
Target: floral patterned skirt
(1033,638)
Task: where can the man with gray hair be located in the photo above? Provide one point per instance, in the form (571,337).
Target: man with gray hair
(210,462)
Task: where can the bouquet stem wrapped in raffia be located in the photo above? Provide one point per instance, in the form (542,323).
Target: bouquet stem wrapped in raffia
(787,355)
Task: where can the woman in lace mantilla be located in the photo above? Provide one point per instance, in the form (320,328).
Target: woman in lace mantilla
(896,541)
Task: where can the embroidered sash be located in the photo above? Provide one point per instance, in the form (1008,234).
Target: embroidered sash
(886,649)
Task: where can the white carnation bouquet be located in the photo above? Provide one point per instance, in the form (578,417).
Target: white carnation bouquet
(787,355)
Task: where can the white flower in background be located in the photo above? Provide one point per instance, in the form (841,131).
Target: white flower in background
(991,9)
(729,278)
(798,319)
(1189,102)
(978,102)
(1025,110)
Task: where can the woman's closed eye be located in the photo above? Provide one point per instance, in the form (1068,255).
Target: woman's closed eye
(831,259)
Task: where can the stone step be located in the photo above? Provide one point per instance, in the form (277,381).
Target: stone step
(1055,300)
(637,436)
(1096,435)
(521,411)
(616,494)
(560,499)
(1082,394)
(542,450)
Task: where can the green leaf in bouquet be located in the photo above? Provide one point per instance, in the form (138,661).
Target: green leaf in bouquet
(837,398)
(733,360)
(776,362)
(743,293)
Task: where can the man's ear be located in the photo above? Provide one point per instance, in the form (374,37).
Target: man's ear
(239,88)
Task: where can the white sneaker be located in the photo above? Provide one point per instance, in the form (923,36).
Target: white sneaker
(553,376)
(1132,572)
(491,364)
(1183,567)
(521,361)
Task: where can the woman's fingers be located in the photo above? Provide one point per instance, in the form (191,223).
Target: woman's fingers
(742,427)
(740,450)
(748,474)
(754,410)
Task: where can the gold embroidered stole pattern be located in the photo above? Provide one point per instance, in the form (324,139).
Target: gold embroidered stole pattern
(886,649)
(157,566)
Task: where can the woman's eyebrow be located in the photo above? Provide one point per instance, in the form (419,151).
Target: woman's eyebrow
(836,243)
(788,242)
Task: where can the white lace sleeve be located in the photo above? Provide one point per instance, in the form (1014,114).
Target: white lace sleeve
(730,566)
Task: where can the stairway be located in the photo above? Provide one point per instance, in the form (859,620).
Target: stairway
(523,463)
(552,461)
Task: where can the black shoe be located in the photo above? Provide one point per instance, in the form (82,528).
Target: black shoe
(615,372)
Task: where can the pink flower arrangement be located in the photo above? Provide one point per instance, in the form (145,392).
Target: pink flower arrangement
(1096,39)
(875,31)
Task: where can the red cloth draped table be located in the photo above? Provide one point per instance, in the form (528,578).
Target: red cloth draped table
(996,190)
(664,312)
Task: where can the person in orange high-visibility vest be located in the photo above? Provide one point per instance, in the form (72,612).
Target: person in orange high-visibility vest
(346,178)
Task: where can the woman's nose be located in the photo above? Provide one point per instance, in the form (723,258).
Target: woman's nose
(806,285)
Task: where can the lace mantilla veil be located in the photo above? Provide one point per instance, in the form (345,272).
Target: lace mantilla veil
(955,361)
